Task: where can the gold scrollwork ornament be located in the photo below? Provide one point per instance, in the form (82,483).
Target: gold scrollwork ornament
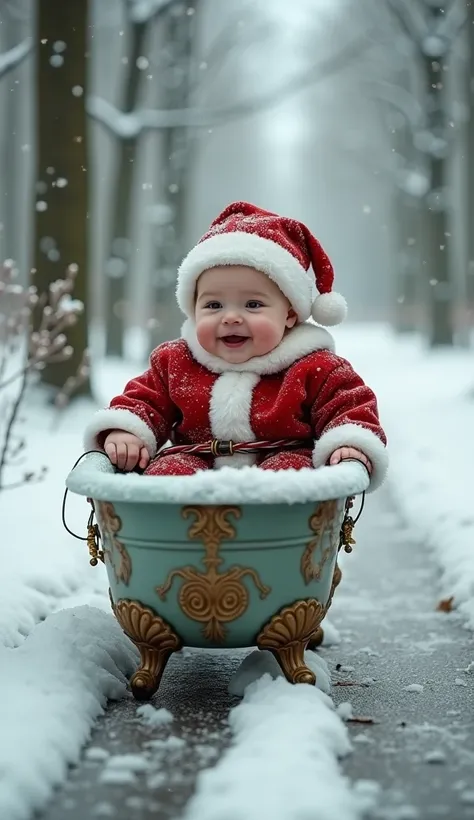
(323,520)
(212,598)
(111,525)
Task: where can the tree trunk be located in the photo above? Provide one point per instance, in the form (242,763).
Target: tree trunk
(470,165)
(13,33)
(407,309)
(118,262)
(439,290)
(61,219)
(179,33)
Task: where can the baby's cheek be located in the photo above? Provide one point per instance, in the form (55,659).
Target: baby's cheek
(205,333)
(268,330)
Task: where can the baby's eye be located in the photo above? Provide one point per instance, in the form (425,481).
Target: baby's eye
(213,305)
(253,304)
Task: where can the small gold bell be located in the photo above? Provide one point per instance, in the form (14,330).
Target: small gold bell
(95,553)
(346,534)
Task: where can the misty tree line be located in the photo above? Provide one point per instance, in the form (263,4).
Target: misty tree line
(430,294)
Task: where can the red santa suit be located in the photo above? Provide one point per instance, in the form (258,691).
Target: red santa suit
(300,390)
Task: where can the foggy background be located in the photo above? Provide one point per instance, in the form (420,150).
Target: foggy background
(127,125)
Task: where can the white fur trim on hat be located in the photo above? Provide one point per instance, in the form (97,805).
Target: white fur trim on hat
(329,309)
(242,248)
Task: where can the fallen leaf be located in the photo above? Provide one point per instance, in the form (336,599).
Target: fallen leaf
(367,720)
(446,605)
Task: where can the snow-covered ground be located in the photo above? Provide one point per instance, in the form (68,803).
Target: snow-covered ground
(426,402)
(53,660)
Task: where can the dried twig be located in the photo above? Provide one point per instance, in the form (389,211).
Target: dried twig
(32,335)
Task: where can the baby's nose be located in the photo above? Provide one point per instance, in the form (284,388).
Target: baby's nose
(232,317)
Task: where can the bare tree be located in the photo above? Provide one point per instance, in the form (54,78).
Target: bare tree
(61,216)
(178,34)
(470,160)
(140,14)
(15,25)
(178,121)
(432,28)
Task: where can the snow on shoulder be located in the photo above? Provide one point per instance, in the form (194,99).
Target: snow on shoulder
(95,477)
(55,685)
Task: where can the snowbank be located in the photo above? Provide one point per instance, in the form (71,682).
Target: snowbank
(44,568)
(283,764)
(52,688)
(427,406)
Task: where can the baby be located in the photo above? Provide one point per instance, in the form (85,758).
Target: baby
(248,366)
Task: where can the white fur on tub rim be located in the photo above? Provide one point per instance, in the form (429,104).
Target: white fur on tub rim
(94,477)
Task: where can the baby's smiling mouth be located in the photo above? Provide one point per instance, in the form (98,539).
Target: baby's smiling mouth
(233,340)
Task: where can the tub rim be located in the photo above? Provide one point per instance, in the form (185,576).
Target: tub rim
(95,477)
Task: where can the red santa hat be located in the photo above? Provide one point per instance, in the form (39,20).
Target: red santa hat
(283,248)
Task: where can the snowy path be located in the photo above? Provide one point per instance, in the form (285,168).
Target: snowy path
(421,750)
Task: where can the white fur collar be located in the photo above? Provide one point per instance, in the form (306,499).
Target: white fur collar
(302,340)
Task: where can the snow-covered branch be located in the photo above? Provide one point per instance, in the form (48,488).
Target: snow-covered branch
(401,99)
(410,17)
(130,126)
(432,35)
(12,58)
(454,21)
(143,11)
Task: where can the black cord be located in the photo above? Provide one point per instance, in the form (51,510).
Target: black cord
(63,508)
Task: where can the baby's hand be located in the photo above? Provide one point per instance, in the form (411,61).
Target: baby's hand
(125,450)
(350,452)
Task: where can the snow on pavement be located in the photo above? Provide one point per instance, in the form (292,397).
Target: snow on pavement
(53,688)
(426,401)
(284,759)
(285,738)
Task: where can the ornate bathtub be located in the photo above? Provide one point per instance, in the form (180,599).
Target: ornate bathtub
(228,558)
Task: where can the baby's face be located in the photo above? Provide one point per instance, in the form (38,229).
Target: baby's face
(240,313)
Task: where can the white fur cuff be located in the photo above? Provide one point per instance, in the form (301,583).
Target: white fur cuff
(119,419)
(354,435)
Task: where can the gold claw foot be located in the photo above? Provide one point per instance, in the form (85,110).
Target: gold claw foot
(154,639)
(146,680)
(287,635)
(316,639)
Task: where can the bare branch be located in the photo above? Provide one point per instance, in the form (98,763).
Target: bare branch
(144,11)
(131,126)
(410,18)
(15,56)
(229,38)
(10,424)
(402,100)
(454,21)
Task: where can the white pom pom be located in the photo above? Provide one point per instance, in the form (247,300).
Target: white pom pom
(329,309)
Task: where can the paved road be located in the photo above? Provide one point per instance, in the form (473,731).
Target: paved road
(420,748)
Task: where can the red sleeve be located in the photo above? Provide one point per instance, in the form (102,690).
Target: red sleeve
(144,408)
(345,414)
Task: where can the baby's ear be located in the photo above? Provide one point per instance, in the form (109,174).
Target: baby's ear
(291,318)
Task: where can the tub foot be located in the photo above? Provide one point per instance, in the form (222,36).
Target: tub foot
(146,680)
(316,639)
(155,640)
(287,635)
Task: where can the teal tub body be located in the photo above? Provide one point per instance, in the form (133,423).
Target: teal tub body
(227,560)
